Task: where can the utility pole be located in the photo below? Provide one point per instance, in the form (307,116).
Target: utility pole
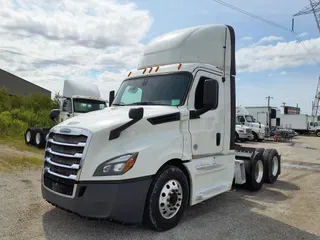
(269,114)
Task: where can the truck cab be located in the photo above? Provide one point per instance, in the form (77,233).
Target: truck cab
(258,129)
(79,98)
(314,127)
(167,140)
(76,105)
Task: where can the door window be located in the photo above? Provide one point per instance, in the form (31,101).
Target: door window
(66,105)
(198,101)
(241,119)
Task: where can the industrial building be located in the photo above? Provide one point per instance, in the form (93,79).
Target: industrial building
(17,85)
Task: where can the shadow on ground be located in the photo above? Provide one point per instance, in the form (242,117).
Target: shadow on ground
(227,216)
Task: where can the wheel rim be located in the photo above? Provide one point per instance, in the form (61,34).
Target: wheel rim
(28,136)
(275,165)
(38,138)
(170,199)
(259,171)
(318,134)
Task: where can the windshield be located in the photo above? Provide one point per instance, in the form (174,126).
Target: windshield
(170,90)
(87,105)
(249,118)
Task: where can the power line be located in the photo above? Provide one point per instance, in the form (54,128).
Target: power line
(270,23)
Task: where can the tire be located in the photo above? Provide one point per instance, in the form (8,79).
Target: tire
(255,136)
(255,171)
(29,136)
(318,133)
(272,165)
(260,140)
(166,181)
(39,138)
(237,137)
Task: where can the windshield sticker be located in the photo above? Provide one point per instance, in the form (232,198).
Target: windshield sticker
(175,102)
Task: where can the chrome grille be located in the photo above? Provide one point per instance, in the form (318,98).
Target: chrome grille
(63,155)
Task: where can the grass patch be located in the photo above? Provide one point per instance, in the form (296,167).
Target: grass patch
(20,163)
(19,144)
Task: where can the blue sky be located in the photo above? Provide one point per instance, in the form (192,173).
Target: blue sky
(183,14)
(100,42)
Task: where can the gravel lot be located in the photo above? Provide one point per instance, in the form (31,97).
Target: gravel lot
(288,209)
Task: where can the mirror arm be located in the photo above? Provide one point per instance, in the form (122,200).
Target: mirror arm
(198,113)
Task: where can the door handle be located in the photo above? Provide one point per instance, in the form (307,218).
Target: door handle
(218,139)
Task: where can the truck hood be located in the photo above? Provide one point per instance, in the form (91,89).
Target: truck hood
(242,127)
(113,116)
(256,125)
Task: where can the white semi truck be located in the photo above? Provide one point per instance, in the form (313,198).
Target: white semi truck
(243,133)
(167,140)
(269,117)
(258,129)
(77,98)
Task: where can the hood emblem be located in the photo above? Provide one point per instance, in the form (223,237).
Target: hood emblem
(65,130)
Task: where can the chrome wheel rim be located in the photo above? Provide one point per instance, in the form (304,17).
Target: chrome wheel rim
(38,138)
(275,166)
(259,171)
(170,199)
(28,136)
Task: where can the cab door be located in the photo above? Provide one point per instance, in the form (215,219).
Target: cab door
(210,167)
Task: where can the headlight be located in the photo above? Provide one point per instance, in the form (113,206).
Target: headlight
(117,165)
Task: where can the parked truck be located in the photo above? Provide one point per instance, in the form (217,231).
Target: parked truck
(258,129)
(166,142)
(270,117)
(300,123)
(243,133)
(76,99)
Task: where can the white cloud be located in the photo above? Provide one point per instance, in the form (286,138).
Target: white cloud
(271,57)
(44,42)
(270,39)
(303,34)
(283,73)
(246,38)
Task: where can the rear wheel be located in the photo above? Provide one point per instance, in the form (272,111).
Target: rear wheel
(318,133)
(272,165)
(167,199)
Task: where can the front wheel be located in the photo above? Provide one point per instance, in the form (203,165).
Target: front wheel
(167,199)
(318,133)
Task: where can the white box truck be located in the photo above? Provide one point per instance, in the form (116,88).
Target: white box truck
(301,123)
(77,98)
(167,140)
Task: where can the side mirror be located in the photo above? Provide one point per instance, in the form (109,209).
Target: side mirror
(136,113)
(54,114)
(111,97)
(210,94)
